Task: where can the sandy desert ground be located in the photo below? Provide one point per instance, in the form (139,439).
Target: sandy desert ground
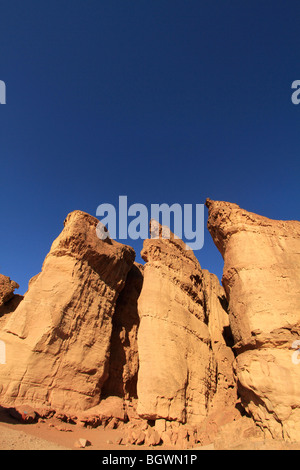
(56,435)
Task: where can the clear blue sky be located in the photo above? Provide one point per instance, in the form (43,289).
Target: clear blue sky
(160,100)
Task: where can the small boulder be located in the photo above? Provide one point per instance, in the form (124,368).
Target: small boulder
(152,437)
(82,443)
(23,413)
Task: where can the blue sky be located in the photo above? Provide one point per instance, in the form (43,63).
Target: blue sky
(164,101)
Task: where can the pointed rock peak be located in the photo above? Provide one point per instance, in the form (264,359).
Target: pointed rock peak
(78,214)
(159,231)
(79,239)
(164,244)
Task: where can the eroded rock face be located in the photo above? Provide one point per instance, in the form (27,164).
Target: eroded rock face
(9,301)
(177,377)
(262,283)
(124,357)
(58,339)
(7,289)
(216,307)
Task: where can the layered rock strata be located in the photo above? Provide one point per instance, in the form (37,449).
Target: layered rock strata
(58,339)
(178,373)
(262,283)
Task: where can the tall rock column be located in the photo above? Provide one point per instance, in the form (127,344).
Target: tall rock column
(58,339)
(177,378)
(262,282)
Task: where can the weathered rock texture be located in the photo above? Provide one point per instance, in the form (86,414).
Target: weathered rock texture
(178,374)
(58,339)
(221,341)
(124,357)
(9,301)
(262,283)
(7,289)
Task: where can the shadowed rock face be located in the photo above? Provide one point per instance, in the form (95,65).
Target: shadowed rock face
(58,339)
(178,374)
(221,342)
(124,358)
(262,283)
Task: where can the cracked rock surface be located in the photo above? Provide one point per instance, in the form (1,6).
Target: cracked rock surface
(178,375)
(58,338)
(262,282)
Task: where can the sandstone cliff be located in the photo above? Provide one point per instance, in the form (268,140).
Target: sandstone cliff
(262,283)
(99,337)
(102,339)
(178,374)
(124,357)
(58,339)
